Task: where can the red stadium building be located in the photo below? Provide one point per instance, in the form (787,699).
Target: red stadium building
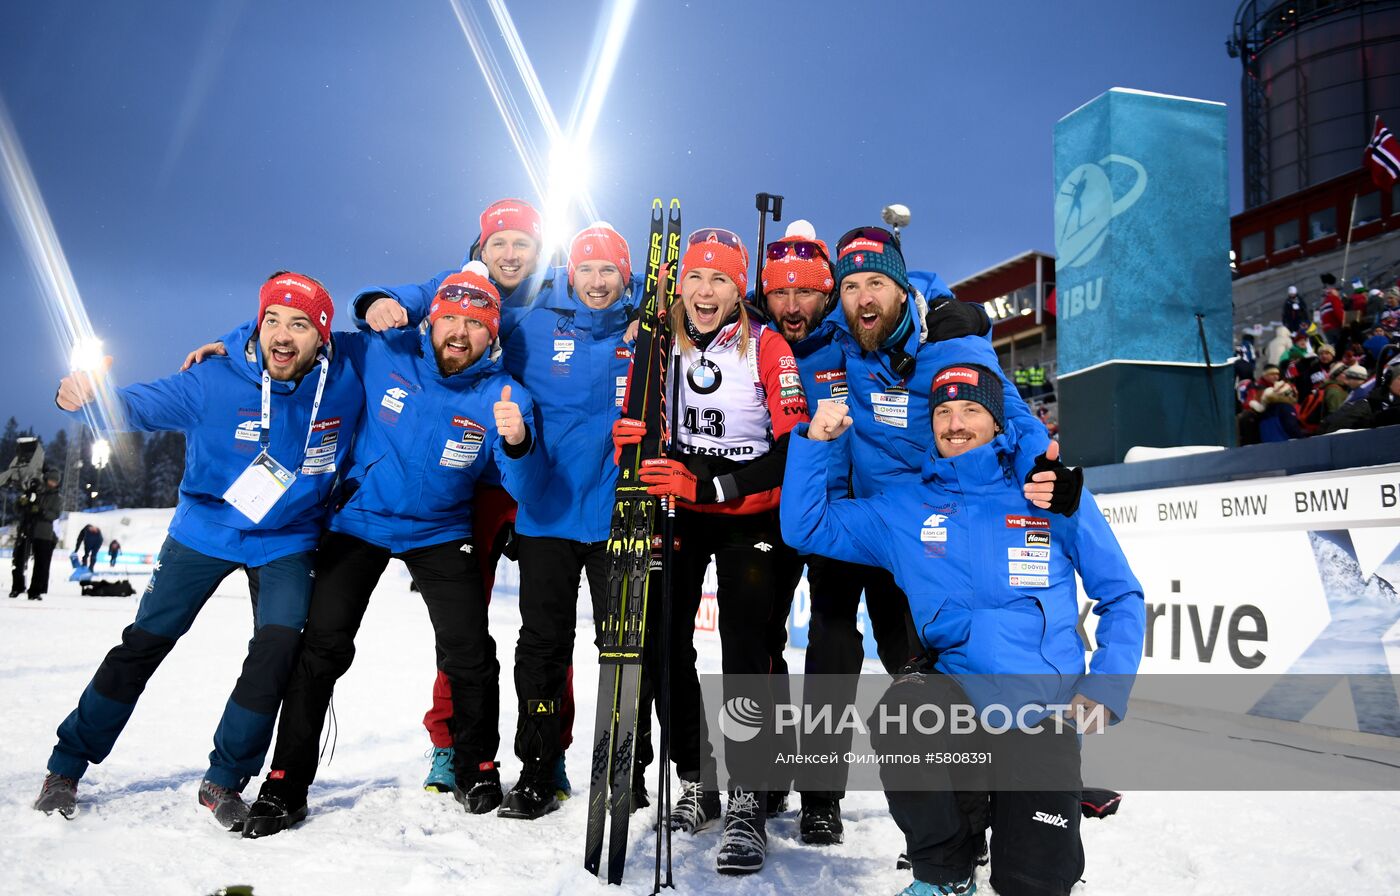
(1019,297)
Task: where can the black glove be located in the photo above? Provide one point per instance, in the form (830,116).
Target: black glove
(948,318)
(1097,803)
(1069,484)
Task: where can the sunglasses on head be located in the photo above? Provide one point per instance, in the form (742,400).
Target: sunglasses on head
(803,249)
(716,235)
(876,234)
(468,296)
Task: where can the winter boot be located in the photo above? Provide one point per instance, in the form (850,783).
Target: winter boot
(440,775)
(59,794)
(744,843)
(820,821)
(227,805)
(562,788)
(278,807)
(955,888)
(480,791)
(695,810)
(639,790)
(533,795)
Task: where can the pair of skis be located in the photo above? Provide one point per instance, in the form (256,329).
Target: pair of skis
(634,550)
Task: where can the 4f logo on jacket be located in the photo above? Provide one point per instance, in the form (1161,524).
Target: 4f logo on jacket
(247,431)
(932,529)
(393,399)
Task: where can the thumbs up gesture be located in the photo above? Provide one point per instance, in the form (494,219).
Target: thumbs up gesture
(509,423)
(1051,485)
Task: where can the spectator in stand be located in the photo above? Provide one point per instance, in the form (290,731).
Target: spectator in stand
(1333,309)
(1052,426)
(1390,314)
(1245,356)
(1279,420)
(1311,373)
(1251,404)
(1372,404)
(1301,348)
(1356,307)
(1375,304)
(1296,315)
(1334,394)
(1253,390)
(1375,344)
(1282,342)
(1385,398)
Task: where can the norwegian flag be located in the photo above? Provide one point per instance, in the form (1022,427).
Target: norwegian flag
(1383,156)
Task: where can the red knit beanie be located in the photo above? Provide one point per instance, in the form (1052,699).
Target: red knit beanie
(599,242)
(792,272)
(469,293)
(304,294)
(720,250)
(510,214)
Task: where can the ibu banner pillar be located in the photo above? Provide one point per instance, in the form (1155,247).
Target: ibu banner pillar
(1142,235)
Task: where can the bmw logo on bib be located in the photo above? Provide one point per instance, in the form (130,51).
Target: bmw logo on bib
(704,376)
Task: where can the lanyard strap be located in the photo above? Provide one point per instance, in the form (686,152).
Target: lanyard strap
(265,436)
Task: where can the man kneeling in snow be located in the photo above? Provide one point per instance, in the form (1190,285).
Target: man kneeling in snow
(945,538)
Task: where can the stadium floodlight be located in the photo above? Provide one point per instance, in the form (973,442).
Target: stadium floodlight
(896,215)
(101,453)
(86,355)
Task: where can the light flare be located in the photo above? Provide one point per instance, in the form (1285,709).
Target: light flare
(72,328)
(562,178)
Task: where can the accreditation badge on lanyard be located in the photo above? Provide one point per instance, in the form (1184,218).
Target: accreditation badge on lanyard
(265,481)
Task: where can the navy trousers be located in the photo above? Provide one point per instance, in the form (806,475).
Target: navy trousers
(183,582)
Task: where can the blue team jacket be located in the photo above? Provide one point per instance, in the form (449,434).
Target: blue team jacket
(424,442)
(891,412)
(574,362)
(217,405)
(990,577)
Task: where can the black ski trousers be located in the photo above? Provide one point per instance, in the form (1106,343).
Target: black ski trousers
(1035,848)
(549,582)
(347,570)
(746,551)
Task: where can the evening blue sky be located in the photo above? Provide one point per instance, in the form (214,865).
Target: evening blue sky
(187,150)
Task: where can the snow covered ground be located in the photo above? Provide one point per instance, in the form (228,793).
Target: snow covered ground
(374,830)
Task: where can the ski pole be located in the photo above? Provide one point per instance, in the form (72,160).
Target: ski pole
(663,685)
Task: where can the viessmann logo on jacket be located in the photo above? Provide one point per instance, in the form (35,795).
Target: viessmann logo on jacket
(1029,566)
(834,380)
(461,452)
(320,453)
